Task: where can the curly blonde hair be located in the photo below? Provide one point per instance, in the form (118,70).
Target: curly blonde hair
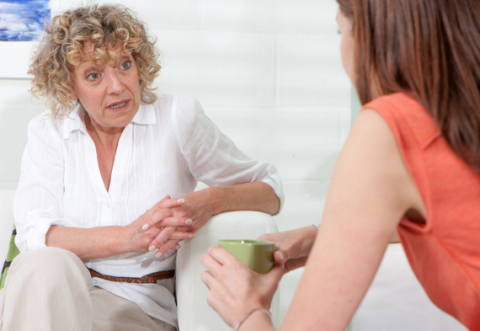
(105,26)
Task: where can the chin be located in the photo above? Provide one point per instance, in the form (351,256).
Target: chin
(121,122)
(121,119)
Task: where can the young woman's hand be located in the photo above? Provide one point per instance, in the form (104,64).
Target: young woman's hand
(234,288)
(292,247)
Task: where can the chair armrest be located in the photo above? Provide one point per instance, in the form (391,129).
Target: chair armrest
(193,311)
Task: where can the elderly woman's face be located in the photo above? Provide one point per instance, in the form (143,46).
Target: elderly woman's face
(109,94)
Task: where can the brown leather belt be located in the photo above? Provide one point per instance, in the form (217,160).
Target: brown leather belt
(147,279)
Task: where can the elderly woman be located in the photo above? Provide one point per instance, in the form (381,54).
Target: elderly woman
(411,164)
(97,240)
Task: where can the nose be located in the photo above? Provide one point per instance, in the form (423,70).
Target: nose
(114,82)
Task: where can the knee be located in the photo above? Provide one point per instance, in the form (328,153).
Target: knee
(48,263)
(49,258)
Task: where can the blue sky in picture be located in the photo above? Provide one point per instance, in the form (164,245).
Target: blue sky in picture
(22,20)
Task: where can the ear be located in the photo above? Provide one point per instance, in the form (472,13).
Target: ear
(73,97)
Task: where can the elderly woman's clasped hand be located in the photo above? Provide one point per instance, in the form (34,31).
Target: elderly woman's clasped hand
(173,220)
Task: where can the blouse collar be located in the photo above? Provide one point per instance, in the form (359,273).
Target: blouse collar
(76,120)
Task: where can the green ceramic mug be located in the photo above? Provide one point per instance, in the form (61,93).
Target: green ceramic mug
(255,254)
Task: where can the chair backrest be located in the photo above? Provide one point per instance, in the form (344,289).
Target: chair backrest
(194,314)
(6,221)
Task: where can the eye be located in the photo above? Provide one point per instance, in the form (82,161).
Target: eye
(93,76)
(125,65)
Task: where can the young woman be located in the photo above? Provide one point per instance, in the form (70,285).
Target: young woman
(411,163)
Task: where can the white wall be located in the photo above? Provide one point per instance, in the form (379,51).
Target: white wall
(267,72)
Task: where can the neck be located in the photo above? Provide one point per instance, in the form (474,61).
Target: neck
(107,137)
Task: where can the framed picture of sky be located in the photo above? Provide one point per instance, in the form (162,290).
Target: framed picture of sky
(21,29)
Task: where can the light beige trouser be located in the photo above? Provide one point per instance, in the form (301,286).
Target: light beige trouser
(49,290)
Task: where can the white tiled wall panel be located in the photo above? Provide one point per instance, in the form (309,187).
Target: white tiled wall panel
(302,143)
(17,107)
(288,286)
(277,16)
(268,73)
(309,71)
(167,14)
(219,68)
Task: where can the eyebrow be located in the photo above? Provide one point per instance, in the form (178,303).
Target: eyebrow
(92,65)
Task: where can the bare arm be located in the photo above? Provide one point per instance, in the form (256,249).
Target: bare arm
(257,196)
(370,192)
(198,207)
(87,244)
(293,247)
(100,242)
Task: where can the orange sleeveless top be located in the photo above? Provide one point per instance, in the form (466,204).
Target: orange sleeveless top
(445,252)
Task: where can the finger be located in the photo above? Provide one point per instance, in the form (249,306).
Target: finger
(160,203)
(167,197)
(272,237)
(274,275)
(170,203)
(180,235)
(279,257)
(210,264)
(221,255)
(170,245)
(156,217)
(265,237)
(199,221)
(161,238)
(155,207)
(295,264)
(175,221)
(207,278)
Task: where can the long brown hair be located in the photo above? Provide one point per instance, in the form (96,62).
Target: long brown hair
(429,49)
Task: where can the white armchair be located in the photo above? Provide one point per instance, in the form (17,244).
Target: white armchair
(194,314)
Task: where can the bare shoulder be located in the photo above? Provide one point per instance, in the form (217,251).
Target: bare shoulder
(370,170)
(370,126)
(372,143)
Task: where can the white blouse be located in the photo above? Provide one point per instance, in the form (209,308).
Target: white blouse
(165,149)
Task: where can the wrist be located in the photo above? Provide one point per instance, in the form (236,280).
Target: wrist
(120,241)
(308,239)
(255,319)
(219,199)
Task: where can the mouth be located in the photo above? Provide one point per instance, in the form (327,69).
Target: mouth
(117,106)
